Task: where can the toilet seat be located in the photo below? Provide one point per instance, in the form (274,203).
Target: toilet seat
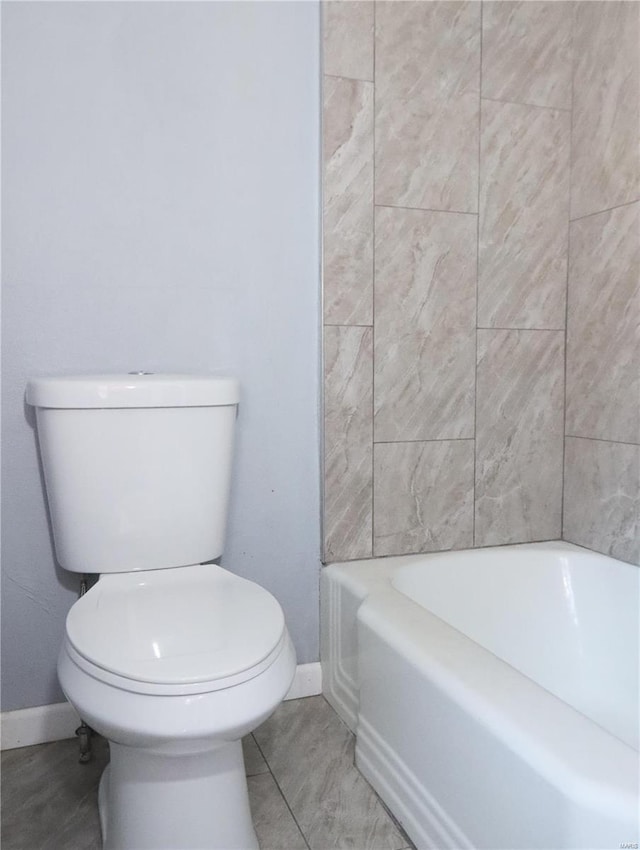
(176,631)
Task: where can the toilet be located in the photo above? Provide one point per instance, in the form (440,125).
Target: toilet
(170,657)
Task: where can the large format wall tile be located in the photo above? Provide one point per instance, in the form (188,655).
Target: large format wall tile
(427,86)
(526,52)
(399,417)
(603,326)
(348,38)
(602,497)
(425,324)
(348,442)
(606,106)
(519,436)
(423,496)
(524,203)
(348,201)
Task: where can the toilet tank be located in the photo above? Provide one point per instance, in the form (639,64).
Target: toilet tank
(137,467)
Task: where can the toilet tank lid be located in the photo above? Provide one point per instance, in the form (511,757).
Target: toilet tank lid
(132,390)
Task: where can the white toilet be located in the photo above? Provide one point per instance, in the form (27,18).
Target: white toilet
(171,659)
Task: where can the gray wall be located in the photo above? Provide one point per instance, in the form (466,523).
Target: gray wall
(160,201)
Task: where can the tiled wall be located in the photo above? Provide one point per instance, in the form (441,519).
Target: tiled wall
(447,191)
(602,456)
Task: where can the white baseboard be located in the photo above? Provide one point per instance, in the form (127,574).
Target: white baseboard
(44,723)
(307,681)
(38,725)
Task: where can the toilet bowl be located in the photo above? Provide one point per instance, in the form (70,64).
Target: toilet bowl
(160,663)
(172,661)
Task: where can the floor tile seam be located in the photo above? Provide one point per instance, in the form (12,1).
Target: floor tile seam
(267,765)
(282,794)
(339,758)
(344,762)
(393,821)
(349,761)
(401,830)
(334,739)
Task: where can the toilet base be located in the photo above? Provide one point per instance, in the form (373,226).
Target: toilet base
(151,800)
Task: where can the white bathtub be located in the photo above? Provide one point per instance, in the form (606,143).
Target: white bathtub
(494,693)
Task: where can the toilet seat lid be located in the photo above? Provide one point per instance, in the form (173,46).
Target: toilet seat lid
(176,626)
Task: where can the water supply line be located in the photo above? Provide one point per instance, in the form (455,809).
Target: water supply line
(83,731)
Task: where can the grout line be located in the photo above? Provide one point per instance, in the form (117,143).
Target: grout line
(523,103)
(566,296)
(344,77)
(424,209)
(475,365)
(600,212)
(286,802)
(466,548)
(346,325)
(394,820)
(373,304)
(322,389)
(602,440)
(550,330)
(428,440)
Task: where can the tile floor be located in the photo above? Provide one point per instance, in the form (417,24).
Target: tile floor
(305,792)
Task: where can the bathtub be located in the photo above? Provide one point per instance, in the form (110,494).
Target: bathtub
(493,693)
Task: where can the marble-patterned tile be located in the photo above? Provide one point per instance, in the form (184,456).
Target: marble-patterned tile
(348,202)
(49,800)
(423,496)
(254,762)
(524,206)
(348,403)
(603,326)
(81,830)
(273,822)
(519,436)
(425,385)
(425,301)
(310,753)
(602,497)
(605,168)
(526,51)
(348,38)
(427,72)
